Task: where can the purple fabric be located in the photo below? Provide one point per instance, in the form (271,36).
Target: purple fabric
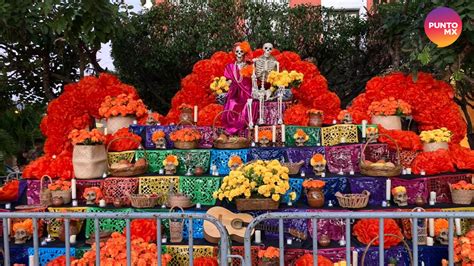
(333,185)
(149,130)
(303,153)
(239,93)
(345,158)
(270,112)
(415,187)
(376,151)
(333,228)
(376,187)
(33,191)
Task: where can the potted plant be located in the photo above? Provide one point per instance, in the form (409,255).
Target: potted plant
(388,112)
(170,163)
(264,138)
(89,156)
(315,118)
(314,192)
(284,81)
(185,138)
(121,111)
(61,189)
(436,139)
(256,186)
(186,113)
(220,87)
(269,256)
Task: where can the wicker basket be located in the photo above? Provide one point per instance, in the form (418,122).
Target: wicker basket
(65,194)
(186,145)
(353,201)
(179,200)
(256,204)
(371,170)
(143,200)
(176,228)
(234,142)
(460,196)
(45,193)
(293,168)
(127,171)
(407,247)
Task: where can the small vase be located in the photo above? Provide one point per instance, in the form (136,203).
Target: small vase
(315,120)
(434,146)
(315,197)
(89,161)
(115,123)
(57,201)
(198,170)
(324,241)
(186,116)
(419,201)
(390,122)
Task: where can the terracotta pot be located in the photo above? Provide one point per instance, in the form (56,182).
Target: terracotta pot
(186,115)
(315,120)
(315,197)
(89,161)
(419,201)
(388,122)
(73,230)
(198,170)
(115,123)
(57,201)
(324,241)
(434,146)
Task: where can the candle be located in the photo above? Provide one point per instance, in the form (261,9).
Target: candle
(195,114)
(289,241)
(163,240)
(408,171)
(102,203)
(198,205)
(404,171)
(330,203)
(422,263)
(274,134)
(31,260)
(457,223)
(72,239)
(8,206)
(355,258)
(258,236)
(135,122)
(384,204)
(343,139)
(303,174)
(388,188)
(74,203)
(73,188)
(340,172)
(163,206)
(433,196)
(334,122)
(364,129)
(431,227)
(318,144)
(422,172)
(283,133)
(161,171)
(429,241)
(351,172)
(290,203)
(249,112)
(323,174)
(432,203)
(105,130)
(256,134)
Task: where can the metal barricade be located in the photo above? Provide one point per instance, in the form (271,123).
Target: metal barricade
(223,247)
(347,216)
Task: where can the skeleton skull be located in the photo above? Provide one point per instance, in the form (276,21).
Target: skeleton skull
(319,168)
(300,141)
(170,169)
(239,54)
(264,142)
(443,237)
(234,166)
(267,49)
(91,197)
(160,143)
(347,118)
(401,198)
(21,236)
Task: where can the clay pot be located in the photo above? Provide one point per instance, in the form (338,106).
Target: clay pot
(57,201)
(198,170)
(419,201)
(118,202)
(324,241)
(315,120)
(186,115)
(73,230)
(315,197)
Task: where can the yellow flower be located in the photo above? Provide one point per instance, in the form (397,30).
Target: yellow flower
(292,195)
(215,194)
(275,197)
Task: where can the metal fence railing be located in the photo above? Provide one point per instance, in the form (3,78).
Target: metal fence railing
(223,246)
(347,217)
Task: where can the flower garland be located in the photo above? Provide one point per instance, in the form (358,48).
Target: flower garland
(367,229)
(123,143)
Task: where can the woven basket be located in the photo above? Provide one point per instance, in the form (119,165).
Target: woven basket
(45,193)
(256,204)
(89,161)
(370,170)
(143,200)
(179,200)
(65,194)
(235,142)
(353,201)
(407,247)
(460,196)
(293,168)
(176,228)
(127,171)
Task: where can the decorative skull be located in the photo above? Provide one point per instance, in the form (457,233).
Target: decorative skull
(23,231)
(234,162)
(90,197)
(400,196)
(319,164)
(443,237)
(21,236)
(160,143)
(239,53)
(372,134)
(158,138)
(300,137)
(347,119)
(264,142)
(267,49)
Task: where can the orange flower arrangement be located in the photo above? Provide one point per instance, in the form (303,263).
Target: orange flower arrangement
(185,134)
(313,183)
(86,137)
(265,134)
(314,112)
(318,157)
(122,105)
(185,106)
(389,106)
(113,252)
(122,140)
(98,193)
(464,249)
(307,260)
(60,185)
(367,229)
(269,254)
(440,225)
(462,185)
(234,159)
(159,134)
(171,159)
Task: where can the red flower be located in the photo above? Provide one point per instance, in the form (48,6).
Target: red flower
(207,114)
(296,115)
(307,260)
(123,143)
(367,229)
(144,229)
(406,140)
(205,261)
(434,162)
(462,157)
